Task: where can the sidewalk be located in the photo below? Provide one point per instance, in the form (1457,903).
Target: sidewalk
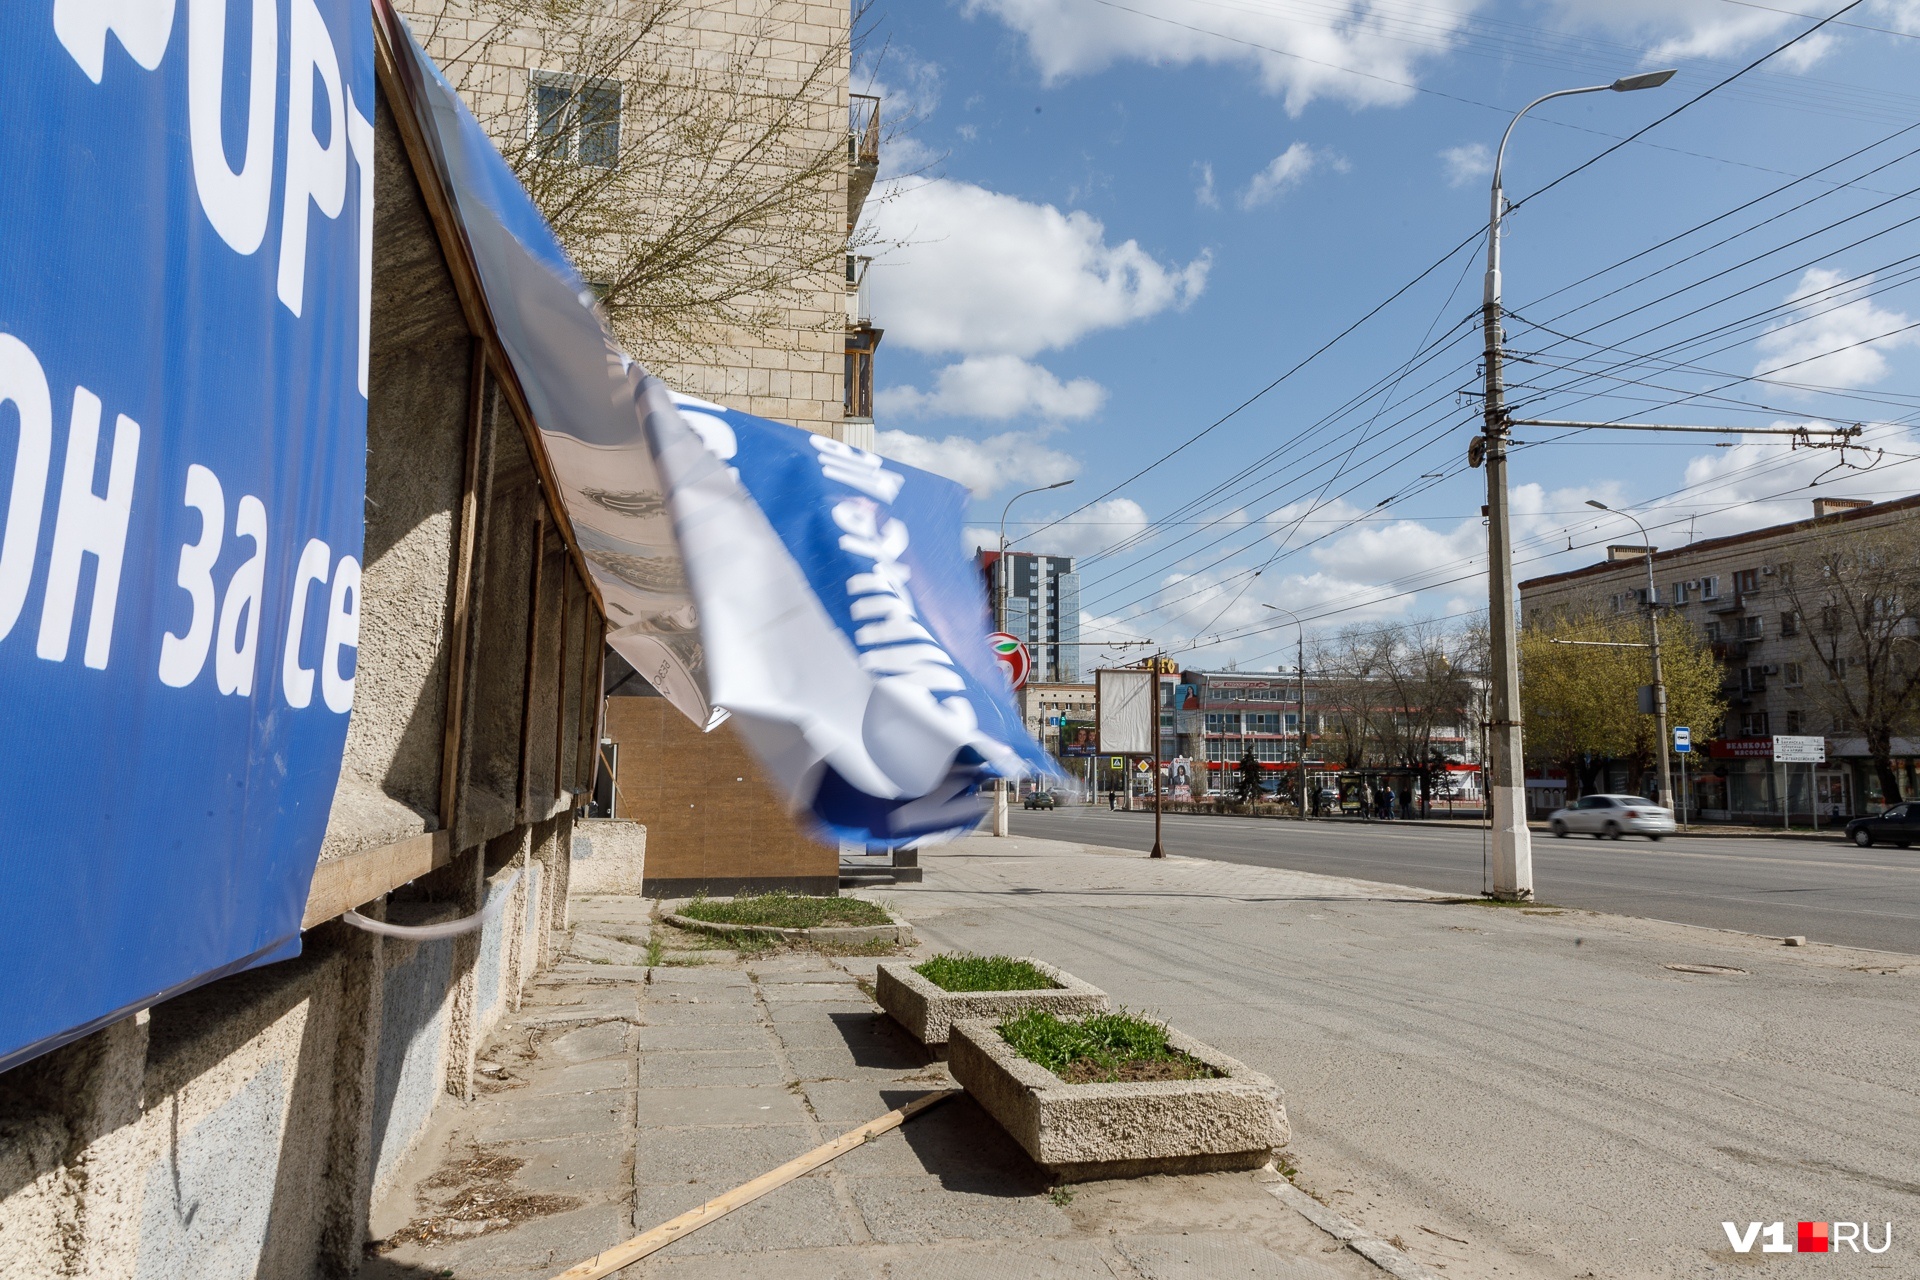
(622,1096)
(1509,1091)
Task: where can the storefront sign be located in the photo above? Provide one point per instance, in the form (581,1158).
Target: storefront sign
(1741,748)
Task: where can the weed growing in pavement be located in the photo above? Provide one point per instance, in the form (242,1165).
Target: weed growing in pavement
(1103,1049)
(983,973)
(654,948)
(1062,1196)
(786,911)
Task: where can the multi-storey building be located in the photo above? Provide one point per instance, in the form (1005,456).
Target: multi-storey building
(1221,716)
(1036,599)
(1732,593)
(812,365)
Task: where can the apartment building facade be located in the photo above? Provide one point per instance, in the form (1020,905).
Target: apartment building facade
(1734,594)
(519,73)
(1036,599)
(1222,716)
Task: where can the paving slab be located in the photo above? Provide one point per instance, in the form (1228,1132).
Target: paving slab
(731,1067)
(601,1075)
(604,1040)
(678,1106)
(703,1013)
(906,1210)
(801,1215)
(1215,1255)
(595,947)
(513,1115)
(717,1158)
(730,1036)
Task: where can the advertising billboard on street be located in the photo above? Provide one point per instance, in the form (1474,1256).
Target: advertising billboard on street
(1078,738)
(1124,710)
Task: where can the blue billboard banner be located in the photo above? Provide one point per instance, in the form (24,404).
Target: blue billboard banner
(845,630)
(185,273)
(812,594)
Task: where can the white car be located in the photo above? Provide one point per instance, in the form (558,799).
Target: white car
(1610,817)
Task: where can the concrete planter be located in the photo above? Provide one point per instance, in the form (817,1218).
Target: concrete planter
(1084,1131)
(841,935)
(928,1011)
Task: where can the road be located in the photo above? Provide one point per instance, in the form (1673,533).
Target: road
(1824,889)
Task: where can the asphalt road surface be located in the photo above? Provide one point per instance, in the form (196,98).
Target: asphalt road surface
(1822,888)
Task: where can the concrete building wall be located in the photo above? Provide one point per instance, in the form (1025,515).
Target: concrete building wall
(793,371)
(713,825)
(241,1129)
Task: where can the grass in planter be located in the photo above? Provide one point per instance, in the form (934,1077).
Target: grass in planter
(983,973)
(1107,1048)
(786,911)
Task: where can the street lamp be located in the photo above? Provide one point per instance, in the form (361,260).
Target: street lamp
(1659,680)
(1006,576)
(1300,658)
(1512,846)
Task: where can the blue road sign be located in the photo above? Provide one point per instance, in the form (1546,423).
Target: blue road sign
(1682,739)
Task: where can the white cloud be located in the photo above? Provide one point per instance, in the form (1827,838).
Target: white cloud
(1354,51)
(1204,194)
(1673,31)
(998,388)
(981,273)
(1100,527)
(1286,171)
(1828,341)
(1468,163)
(984,466)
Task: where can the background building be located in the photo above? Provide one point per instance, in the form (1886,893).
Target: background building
(1747,596)
(1041,606)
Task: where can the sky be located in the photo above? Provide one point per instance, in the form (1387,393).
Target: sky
(1114,238)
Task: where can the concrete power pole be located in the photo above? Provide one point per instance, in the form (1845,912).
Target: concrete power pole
(1512,843)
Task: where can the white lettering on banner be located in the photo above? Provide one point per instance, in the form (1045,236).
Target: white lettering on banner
(88,524)
(143,26)
(23,384)
(881,594)
(343,632)
(233,658)
(296,682)
(236,204)
(315,173)
(183,657)
(360,140)
(857,468)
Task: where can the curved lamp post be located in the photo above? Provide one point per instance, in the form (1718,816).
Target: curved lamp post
(1659,680)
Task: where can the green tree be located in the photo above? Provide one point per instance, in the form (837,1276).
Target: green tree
(1248,790)
(1580,702)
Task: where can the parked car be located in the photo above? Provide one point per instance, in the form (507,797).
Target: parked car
(1041,800)
(1607,817)
(1900,825)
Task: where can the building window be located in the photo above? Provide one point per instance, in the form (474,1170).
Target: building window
(1746,581)
(1754,725)
(1710,588)
(1785,572)
(1750,627)
(575,119)
(1791,673)
(862,341)
(1680,592)
(1793,722)
(1713,632)
(1754,680)
(1789,623)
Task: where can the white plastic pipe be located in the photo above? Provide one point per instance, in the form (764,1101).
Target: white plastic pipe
(446,928)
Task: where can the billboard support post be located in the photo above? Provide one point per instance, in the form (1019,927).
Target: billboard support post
(1154,685)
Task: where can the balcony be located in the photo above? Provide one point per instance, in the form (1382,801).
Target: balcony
(863,153)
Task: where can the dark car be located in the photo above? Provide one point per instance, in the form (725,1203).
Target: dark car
(1040,800)
(1899,825)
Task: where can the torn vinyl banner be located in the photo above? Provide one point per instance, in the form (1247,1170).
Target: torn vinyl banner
(843,626)
(816,592)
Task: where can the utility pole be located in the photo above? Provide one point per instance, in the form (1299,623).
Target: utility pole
(1665,798)
(1300,737)
(1154,684)
(1512,843)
